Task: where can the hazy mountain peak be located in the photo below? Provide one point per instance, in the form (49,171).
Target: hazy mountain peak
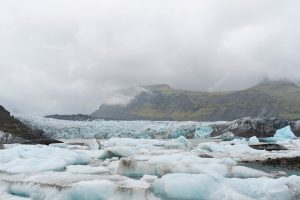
(124,96)
(161,102)
(278,84)
(157,87)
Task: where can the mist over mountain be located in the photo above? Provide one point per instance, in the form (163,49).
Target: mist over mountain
(63,57)
(162,102)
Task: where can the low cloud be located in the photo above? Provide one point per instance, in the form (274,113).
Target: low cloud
(62,56)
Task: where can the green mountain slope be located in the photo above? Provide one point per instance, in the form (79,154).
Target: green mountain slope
(161,102)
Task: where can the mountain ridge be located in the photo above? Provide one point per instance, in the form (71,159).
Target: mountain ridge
(162,102)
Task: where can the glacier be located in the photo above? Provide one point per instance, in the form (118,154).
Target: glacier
(102,129)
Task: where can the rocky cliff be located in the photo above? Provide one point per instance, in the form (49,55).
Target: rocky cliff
(13,130)
(9,124)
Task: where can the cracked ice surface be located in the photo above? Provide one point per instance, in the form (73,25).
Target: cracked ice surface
(127,168)
(101,129)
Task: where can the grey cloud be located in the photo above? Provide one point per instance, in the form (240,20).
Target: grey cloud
(64,56)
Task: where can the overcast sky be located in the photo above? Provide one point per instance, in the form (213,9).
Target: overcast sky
(66,56)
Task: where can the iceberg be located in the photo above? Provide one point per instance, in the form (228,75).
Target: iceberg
(253,140)
(142,169)
(211,187)
(36,158)
(284,134)
(281,135)
(204,131)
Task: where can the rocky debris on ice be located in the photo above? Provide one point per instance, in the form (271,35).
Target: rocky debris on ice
(160,167)
(268,147)
(289,163)
(240,151)
(260,127)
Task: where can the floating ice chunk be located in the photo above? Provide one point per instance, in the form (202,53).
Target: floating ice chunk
(211,187)
(28,191)
(149,178)
(203,131)
(226,147)
(131,142)
(284,134)
(226,136)
(96,189)
(93,144)
(185,186)
(239,141)
(85,169)
(164,164)
(133,168)
(130,183)
(61,145)
(253,140)
(245,172)
(179,143)
(263,188)
(121,151)
(12,197)
(188,158)
(105,189)
(92,153)
(30,158)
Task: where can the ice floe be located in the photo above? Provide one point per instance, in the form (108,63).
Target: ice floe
(144,169)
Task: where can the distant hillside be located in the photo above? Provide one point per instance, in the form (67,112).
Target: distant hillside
(78,117)
(161,102)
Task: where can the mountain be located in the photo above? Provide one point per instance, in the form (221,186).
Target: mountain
(162,102)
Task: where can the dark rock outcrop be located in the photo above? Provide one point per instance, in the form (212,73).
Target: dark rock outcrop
(289,163)
(268,147)
(9,124)
(13,130)
(259,127)
(41,141)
